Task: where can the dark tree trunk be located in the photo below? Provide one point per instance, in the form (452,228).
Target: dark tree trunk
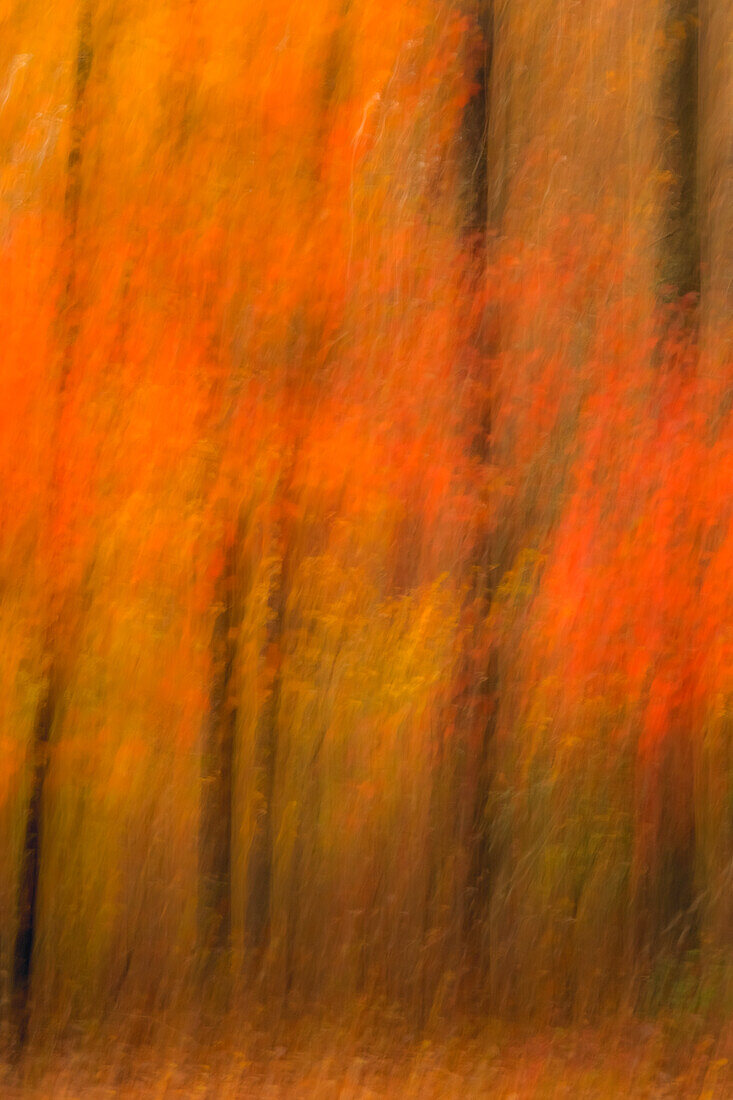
(57,627)
(680,251)
(30,864)
(475,764)
(259,867)
(474,132)
(217,766)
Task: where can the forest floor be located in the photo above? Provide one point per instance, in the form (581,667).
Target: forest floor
(655,1060)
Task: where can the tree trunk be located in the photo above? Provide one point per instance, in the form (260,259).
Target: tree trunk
(716,199)
(679,262)
(259,866)
(58,628)
(477,707)
(215,829)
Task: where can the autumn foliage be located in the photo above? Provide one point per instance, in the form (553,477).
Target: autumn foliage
(366,527)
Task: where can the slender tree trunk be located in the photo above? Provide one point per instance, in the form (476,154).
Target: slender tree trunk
(27,900)
(664,890)
(679,260)
(716,200)
(59,628)
(259,866)
(215,829)
(714,752)
(478,708)
(475,130)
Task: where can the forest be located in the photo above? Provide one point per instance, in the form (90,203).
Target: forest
(366,547)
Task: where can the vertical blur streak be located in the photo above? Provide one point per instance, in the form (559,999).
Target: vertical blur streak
(58,638)
(714,752)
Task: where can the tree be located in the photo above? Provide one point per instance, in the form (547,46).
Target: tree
(60,626)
